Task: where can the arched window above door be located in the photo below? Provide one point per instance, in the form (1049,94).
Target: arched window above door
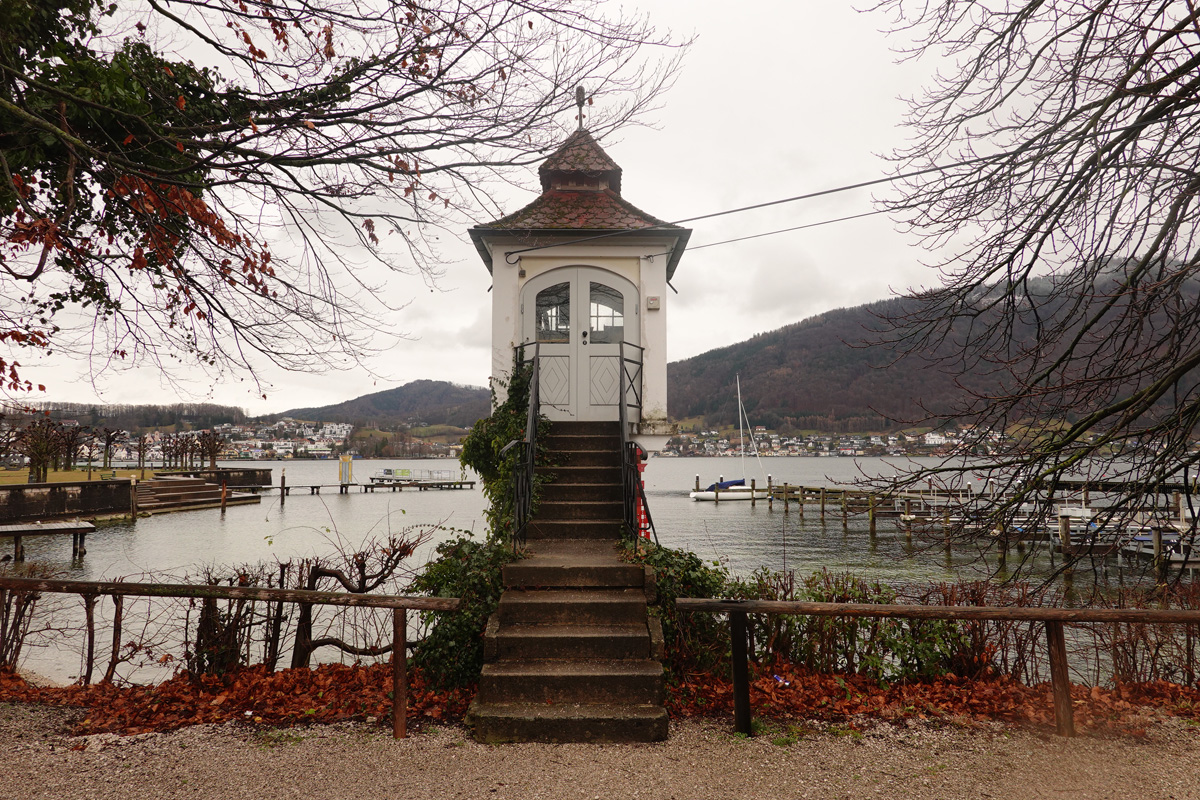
(554,313)
(607,306)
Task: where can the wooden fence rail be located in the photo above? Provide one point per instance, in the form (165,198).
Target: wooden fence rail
(1054,618)
(400,606)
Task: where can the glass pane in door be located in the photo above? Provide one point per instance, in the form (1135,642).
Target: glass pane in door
(553,313)
(607,314)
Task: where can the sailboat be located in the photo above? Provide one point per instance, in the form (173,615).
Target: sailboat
(735,489)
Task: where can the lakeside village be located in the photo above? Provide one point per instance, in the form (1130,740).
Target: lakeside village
(285,439)
(297,439)
(771,443)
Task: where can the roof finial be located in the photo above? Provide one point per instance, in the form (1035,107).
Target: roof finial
(579,102)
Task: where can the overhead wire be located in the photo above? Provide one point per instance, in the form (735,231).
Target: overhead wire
(822,193)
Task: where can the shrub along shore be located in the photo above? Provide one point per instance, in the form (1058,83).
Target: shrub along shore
(805,670)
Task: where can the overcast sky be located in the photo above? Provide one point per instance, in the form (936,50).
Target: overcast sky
(789,98)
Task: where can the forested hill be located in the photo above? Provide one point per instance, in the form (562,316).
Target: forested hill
(815,374)
(431,402)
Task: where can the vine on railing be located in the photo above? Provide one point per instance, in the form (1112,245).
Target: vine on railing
(636,508)
(504,450)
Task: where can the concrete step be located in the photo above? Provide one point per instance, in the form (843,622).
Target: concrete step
(495,723)
(567,641)
(602,529)
(554,681)
(580,509)
(581,492)
(619,606)
(587,458)
(186,496)
(572,562)
(175,482)
(572,443)
(577,428)
(577,474)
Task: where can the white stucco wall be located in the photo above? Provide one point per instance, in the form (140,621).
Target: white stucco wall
(642,261)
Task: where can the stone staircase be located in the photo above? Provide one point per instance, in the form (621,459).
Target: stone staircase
(180,493)
(572,655)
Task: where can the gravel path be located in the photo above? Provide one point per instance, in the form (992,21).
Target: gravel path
(701,760)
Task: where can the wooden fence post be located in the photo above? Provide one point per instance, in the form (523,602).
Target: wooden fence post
(741,673)
(1064,714)
(399,672)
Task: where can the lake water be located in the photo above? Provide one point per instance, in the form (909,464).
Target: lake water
(738,536)
(733,534)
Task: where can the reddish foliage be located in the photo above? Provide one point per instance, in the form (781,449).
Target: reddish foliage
(335,692)
(787,692)
(329,693)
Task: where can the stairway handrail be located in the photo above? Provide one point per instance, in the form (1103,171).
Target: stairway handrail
(632,490)
(524,474)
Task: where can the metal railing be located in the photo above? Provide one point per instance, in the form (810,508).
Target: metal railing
(1054,619)
(525,468)
(90,590)
(633,493)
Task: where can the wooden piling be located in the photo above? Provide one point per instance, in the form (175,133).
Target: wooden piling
(871,513)
(770,494)
(753,485)
(282,486)
(1064,535)
(1160,562)
(224,496)
(822,503)
(697,483)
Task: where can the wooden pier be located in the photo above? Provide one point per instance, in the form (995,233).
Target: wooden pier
(77,529)
(1066,525)
(348,488)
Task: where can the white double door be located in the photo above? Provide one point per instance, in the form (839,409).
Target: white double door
(579,316)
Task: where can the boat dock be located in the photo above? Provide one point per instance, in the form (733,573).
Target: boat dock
(348,488)
(77,529)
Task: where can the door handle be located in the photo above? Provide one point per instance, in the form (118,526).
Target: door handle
(585,338)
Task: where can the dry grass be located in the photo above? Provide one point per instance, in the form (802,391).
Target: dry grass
(11,477)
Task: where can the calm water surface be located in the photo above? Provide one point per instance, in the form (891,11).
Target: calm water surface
(732,534)
(736,535)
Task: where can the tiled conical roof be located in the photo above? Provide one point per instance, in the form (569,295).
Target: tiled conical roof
(581,190)
(579,157)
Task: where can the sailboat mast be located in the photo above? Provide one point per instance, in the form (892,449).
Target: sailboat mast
(741,433)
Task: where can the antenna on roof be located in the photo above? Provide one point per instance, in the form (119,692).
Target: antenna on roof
(579,99)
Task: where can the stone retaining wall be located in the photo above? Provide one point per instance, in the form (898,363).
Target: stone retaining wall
(34,501)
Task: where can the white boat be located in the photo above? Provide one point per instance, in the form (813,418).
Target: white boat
(735,489)
(730,490)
